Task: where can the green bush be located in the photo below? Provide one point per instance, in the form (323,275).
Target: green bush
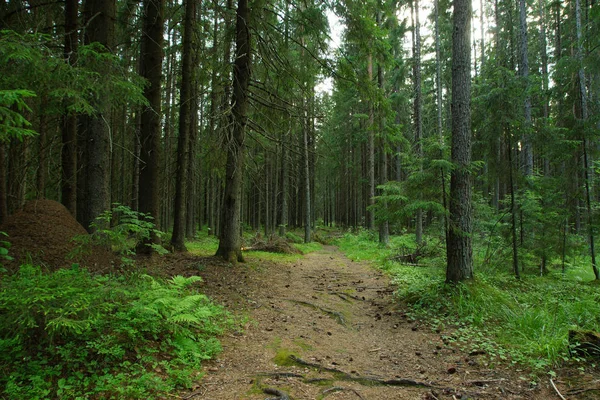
(122,230)
(71,335)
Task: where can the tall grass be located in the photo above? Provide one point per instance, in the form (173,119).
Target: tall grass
(526,320)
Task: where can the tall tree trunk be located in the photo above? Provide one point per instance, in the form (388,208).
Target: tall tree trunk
(185,101)
(545,75)
(458,243)
(418,106)
(306,175)
(371,148)
(150,129)
(230,238)
(99,16)
(524,73)
(584,119)
(384,227)
(439,106)
(43,150)
(283,221)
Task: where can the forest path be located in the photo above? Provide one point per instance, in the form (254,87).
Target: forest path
(327,327)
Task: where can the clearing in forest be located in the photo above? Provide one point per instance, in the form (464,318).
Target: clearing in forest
(326,327)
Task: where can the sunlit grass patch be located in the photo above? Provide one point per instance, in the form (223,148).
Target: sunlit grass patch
(204,245)
(306,248)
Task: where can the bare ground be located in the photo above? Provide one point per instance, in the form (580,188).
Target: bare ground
(327,327)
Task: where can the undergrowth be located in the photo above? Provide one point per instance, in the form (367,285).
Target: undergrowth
(523,321)
(71,335)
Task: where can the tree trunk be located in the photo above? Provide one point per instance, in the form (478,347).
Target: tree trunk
(283,221)
(99,16)
(584,117)
(524,73)
(230,238)
(42,167)
(150,129)
(384,227)
(371,149)
(306,167)
(458,242)
(418,106)
(178,237)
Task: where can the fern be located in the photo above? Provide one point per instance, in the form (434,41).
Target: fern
(72,325)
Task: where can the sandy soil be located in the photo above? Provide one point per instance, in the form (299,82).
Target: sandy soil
(327,327)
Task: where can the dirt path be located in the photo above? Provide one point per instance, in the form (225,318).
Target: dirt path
(327,327)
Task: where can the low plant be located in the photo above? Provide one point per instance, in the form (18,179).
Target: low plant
(69,334)
(4,246)
(122,230)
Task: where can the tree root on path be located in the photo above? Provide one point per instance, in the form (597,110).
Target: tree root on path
(276,392)
(334,389)
(337,316)
(363,380)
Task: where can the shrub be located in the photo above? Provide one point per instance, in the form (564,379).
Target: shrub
(122,230)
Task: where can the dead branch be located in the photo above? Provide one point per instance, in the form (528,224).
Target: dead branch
(556,389)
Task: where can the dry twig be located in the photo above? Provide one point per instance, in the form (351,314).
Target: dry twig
(556,389)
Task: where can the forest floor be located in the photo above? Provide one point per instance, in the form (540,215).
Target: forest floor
(326,327)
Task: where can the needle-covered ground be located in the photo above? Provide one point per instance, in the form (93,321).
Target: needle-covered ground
(321,326)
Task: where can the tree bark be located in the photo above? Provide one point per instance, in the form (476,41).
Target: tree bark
(230,238)
(418,106)
(99,16)
(150,129)
(371,148)
(524,73)
(459,243)
(69,121)
(178,236)
(586,159)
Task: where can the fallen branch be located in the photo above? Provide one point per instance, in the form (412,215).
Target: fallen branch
(556,389)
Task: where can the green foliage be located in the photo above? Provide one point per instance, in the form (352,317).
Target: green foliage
(4,246)
(122,230)
(71,335)
(12,122)
(33,66)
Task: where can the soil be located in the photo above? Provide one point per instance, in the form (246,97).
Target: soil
(327,327)
(42,234)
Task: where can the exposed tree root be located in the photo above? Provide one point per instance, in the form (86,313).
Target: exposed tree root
(334,389)
(276,392)
(337,316)
(363,380)
(279,375)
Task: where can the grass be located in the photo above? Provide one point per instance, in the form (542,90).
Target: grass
(206,245)
(525,321)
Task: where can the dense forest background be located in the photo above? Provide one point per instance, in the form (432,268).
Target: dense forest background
(205,114)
